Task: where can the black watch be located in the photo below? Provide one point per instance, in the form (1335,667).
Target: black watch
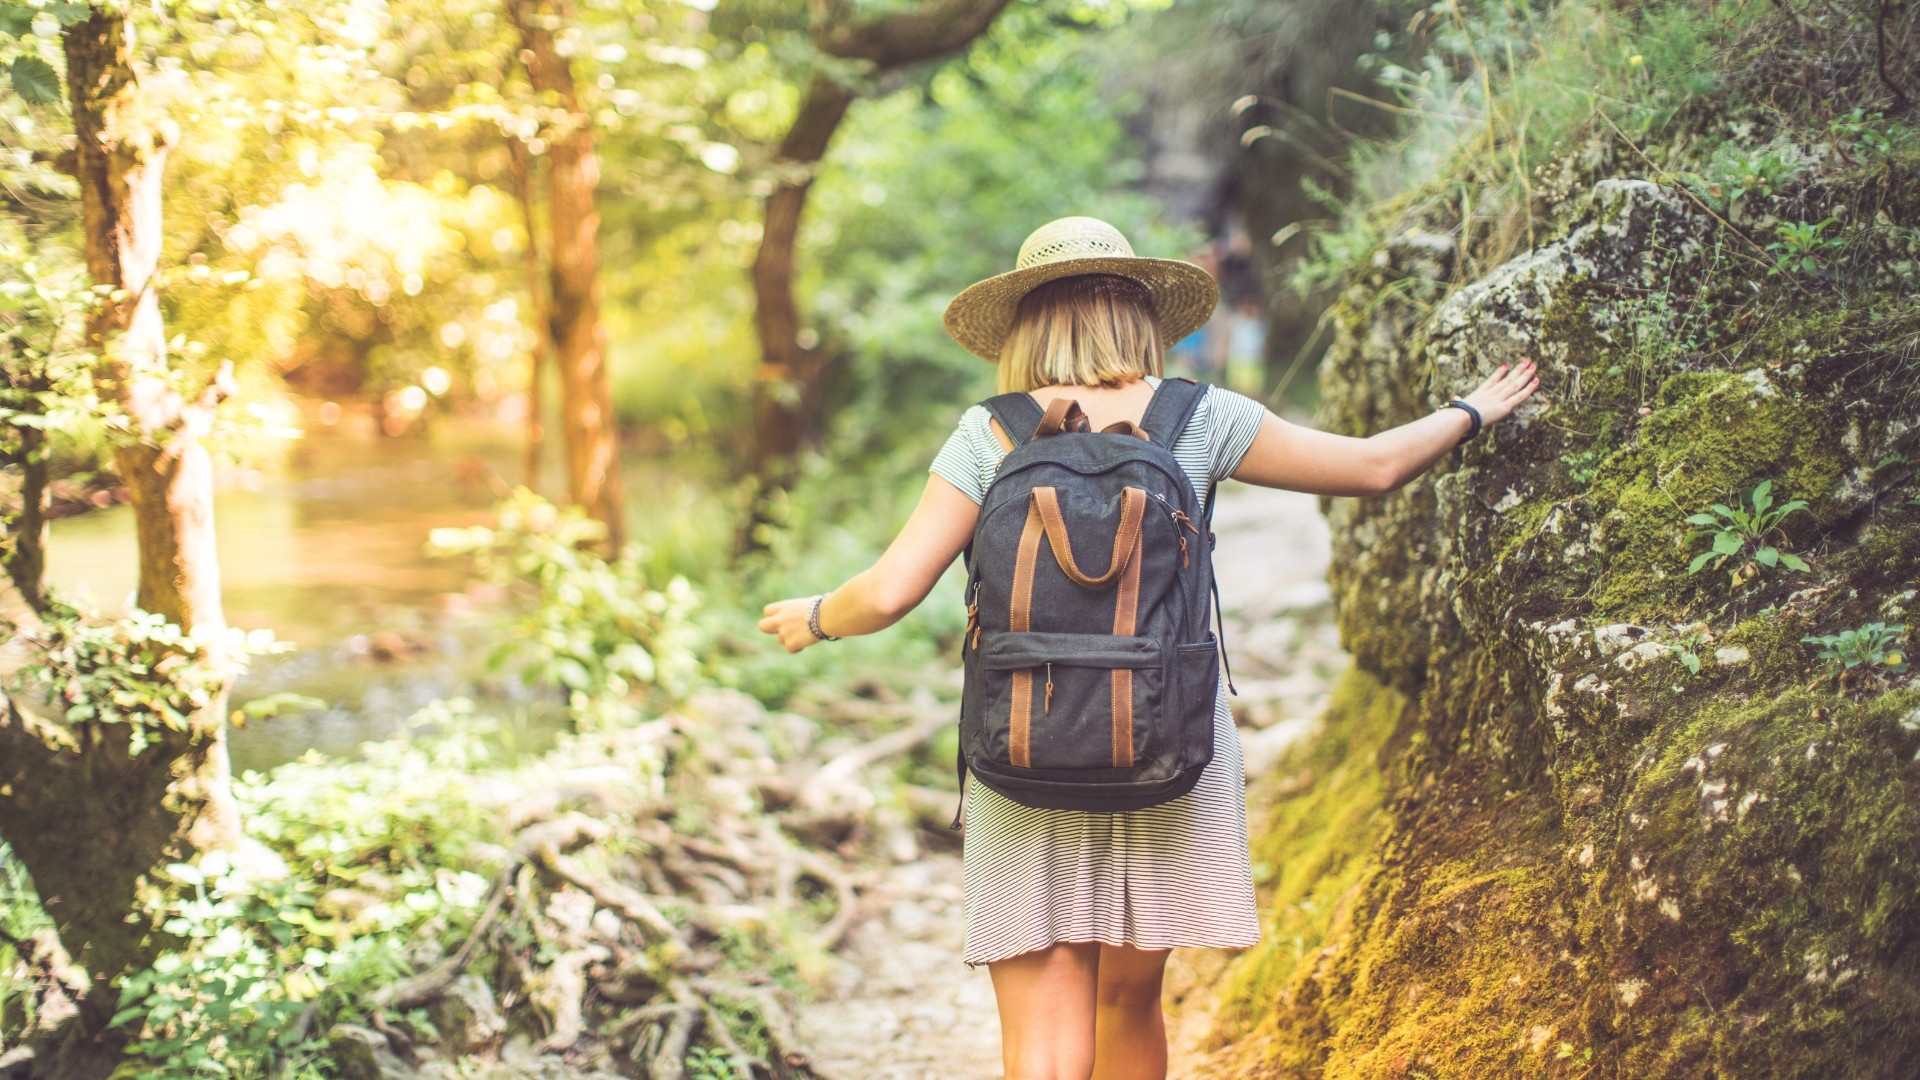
(1472,412)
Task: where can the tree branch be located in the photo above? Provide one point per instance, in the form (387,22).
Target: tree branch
(932,29)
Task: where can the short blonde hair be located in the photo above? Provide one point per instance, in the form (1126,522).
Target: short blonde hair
(1085,330)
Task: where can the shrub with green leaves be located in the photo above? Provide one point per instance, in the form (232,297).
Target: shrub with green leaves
(1874,644)
(140,670)
(364,862)
(1746,529)
(593,625)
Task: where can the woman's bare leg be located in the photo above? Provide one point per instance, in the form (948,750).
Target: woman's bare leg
(1130,1032)
(1046,1003)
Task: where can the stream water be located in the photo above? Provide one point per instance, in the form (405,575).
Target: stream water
(328,550)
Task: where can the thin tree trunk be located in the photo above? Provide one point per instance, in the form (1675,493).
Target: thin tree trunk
(787,390)
(88,818)
(26,557)
(523,179)
(579,337)
(788,386)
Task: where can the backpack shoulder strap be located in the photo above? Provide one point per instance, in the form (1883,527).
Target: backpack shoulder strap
(1018,415)
(1173,403)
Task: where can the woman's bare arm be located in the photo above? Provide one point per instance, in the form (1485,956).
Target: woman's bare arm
(879,596)
(1288,455)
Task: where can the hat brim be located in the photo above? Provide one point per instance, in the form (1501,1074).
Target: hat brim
(1184,297)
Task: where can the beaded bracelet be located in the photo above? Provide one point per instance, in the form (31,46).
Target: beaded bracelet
(813,620)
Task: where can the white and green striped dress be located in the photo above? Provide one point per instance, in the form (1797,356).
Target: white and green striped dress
(1172,875)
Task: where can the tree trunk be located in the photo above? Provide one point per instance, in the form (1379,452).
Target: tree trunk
(579,337)
(135,813)
(522,173)
(787,387)
(26,559)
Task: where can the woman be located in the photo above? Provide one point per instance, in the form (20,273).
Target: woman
(1074,912)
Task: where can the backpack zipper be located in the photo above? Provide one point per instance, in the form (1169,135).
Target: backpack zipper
(1046,704)
(1179,518)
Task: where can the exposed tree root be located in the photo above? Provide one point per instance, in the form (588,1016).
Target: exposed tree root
(620,915)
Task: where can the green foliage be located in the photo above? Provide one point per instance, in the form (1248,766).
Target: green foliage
(1744,530)
(1737,174)
(1687,646)
(34,80)
(594,626)
(21,917)
(1502,95)
(140,670)
(1799,246)
(364,863)
(225,1002)
(708,1063)
(1873,644)
(1870,134)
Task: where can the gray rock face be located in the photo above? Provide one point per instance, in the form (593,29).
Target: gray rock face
(1629,812)
(1631,233)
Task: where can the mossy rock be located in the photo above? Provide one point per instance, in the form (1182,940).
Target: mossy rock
(1533,839)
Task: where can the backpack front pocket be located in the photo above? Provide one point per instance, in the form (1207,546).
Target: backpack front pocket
(1070,701)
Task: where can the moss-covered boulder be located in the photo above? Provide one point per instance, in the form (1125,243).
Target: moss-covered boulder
(1582,808)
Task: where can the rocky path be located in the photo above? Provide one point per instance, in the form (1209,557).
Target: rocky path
(903,1007)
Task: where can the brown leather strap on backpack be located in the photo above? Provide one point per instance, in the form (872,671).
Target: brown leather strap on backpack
(1020,619)
(1125,427)
(1046,505)
(1126,611)
(1063,414)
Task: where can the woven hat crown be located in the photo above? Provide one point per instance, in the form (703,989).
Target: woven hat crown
(1072,238)
(1183,295)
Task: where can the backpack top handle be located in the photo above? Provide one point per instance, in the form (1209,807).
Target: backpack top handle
(1043,515)
(1063,414)
(1166,415)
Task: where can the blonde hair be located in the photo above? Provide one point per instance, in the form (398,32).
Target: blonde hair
(1085,330)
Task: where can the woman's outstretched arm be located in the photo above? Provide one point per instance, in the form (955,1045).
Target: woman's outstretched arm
(877,597)
(1288,455)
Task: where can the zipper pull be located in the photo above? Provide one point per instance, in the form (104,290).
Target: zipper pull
(1183,551)
(1046,705)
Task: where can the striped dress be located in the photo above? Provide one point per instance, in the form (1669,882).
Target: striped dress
(1172,875)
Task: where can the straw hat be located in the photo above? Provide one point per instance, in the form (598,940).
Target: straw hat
(1184,295)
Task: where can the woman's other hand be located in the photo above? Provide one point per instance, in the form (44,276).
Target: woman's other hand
(787,620)
(1503,390)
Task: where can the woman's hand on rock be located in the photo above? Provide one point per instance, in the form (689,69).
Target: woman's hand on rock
(787,620)
(1502,391)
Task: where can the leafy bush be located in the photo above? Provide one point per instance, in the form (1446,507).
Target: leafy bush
(140,670)
(365,864)
(592,625)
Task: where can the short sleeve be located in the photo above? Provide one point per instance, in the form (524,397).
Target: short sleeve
(1233,419)
(966,458)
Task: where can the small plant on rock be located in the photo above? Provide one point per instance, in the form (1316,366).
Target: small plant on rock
(1745,530)
(1686,649)
(1873,645)
(1799,245)
(1733,175)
